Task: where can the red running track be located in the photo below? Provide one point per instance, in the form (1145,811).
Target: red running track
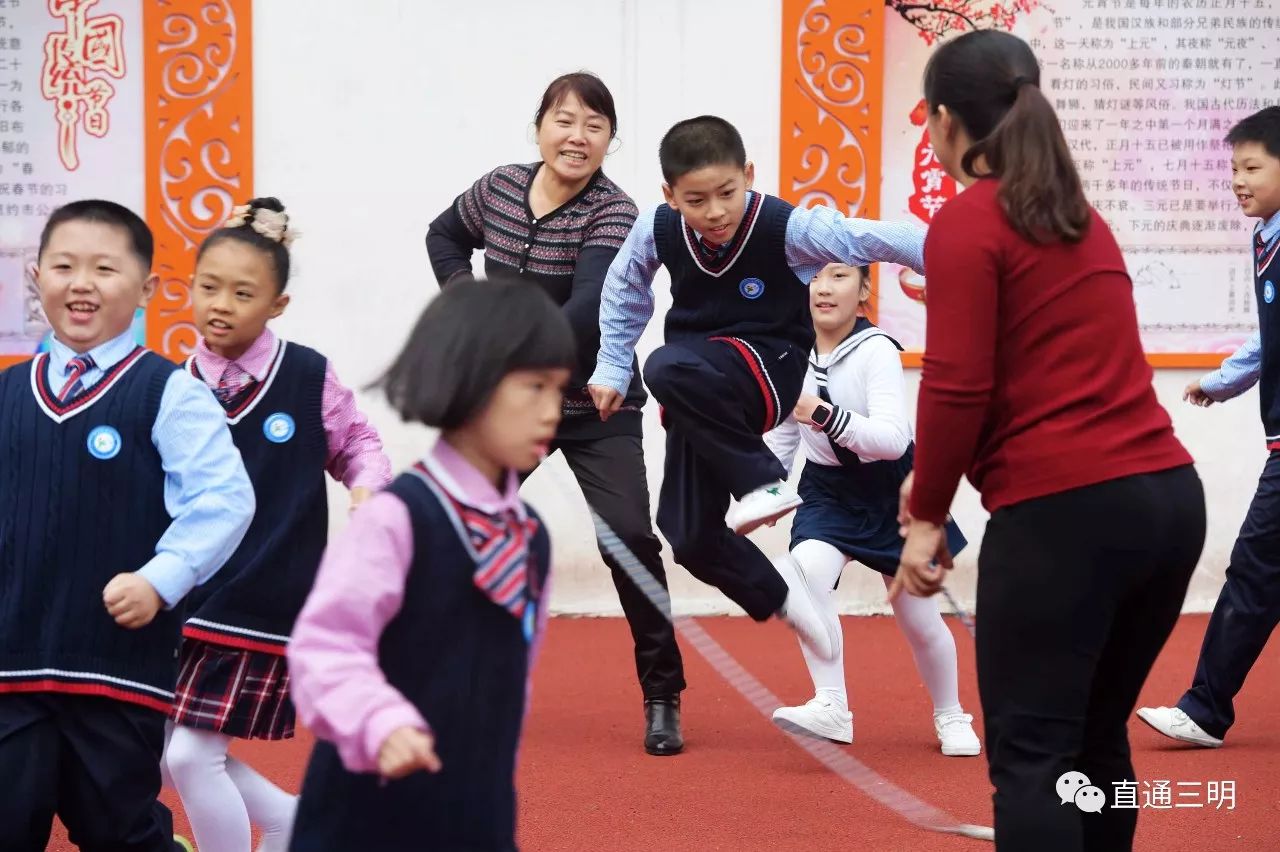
(585,783)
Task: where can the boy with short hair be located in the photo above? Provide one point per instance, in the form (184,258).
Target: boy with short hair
(120,490)
(1248,607)
(738,336)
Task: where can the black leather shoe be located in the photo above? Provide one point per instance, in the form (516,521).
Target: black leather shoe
(662,735)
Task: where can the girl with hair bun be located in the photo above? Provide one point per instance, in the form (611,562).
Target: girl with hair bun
(292,421)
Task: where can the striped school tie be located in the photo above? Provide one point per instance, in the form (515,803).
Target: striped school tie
(76,368)
(233,381)
(1259,245)
(501,543)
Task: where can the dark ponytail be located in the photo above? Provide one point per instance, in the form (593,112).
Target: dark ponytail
(990,82)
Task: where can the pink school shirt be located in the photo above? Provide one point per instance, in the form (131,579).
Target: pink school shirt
(338,688)
(355,458)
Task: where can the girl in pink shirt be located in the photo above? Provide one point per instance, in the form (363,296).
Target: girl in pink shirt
(411,657)
(292,421)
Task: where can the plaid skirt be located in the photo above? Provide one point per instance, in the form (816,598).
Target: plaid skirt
(233,691)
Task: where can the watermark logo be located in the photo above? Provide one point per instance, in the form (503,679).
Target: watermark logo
(1075,788)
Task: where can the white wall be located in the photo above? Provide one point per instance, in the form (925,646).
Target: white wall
(369,122)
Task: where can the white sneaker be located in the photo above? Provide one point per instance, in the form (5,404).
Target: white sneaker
(1175,724)
(955,732)
(801,612)
(763,506)
(817,718)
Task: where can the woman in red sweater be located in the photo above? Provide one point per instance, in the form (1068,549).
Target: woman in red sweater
(1035,385)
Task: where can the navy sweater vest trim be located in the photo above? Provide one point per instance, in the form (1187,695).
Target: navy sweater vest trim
(463,661)
(278,426)
(60,410)
(1266,279)
(747,291)
(81,500)
(239,406)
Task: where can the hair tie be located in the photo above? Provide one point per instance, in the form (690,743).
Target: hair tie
(239,215)
(1018,83)
(272,224)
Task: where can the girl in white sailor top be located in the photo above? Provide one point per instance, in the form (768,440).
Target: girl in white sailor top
(292,421)
(412,655)
(851,420)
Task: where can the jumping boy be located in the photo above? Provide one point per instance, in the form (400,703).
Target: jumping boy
(738,335)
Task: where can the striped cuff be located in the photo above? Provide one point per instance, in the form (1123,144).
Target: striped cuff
(837,422)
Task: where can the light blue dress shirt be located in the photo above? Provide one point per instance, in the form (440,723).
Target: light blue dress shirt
(815,237)
(207,491)
(1240,372)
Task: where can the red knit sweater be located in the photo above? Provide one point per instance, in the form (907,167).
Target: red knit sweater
(1034,376)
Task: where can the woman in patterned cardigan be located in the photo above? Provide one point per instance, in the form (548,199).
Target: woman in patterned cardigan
(557,224)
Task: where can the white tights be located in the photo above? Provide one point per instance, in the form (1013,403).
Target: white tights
(222,796)
(931,642)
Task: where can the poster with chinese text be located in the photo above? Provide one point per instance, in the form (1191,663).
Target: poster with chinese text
(1145,90)
(71,126)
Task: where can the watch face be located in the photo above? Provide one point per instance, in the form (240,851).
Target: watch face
(821,414)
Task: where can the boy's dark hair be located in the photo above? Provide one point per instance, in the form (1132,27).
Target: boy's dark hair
(696,143)
(106,213)
(589,88)
(1262,127)
(274,247)
(466,341)
(990,82)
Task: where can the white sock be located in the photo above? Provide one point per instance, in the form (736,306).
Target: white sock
(932,646)
(822,565)
(270,808)
(197,762)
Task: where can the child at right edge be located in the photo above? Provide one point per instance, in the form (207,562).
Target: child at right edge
(738,336)
(1248,607)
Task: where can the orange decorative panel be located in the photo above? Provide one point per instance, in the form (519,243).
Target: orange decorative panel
(199,132)
(832,103)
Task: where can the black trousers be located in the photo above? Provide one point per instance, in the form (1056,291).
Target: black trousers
(1247,611)
(610,471)
(94,762)
(1077,593)
(717,401)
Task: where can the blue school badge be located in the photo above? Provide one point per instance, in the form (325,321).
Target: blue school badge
(279,427)
(1268,292)
(104,443)
(530,620)
(751,288)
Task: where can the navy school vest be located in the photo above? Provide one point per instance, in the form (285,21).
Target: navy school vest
(254,599)
(1266,280)
(82,500)
(747,291)
(463,661)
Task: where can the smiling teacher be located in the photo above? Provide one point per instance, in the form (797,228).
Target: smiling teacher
(557,224)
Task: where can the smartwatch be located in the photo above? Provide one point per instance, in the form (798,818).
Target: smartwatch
(821,415)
